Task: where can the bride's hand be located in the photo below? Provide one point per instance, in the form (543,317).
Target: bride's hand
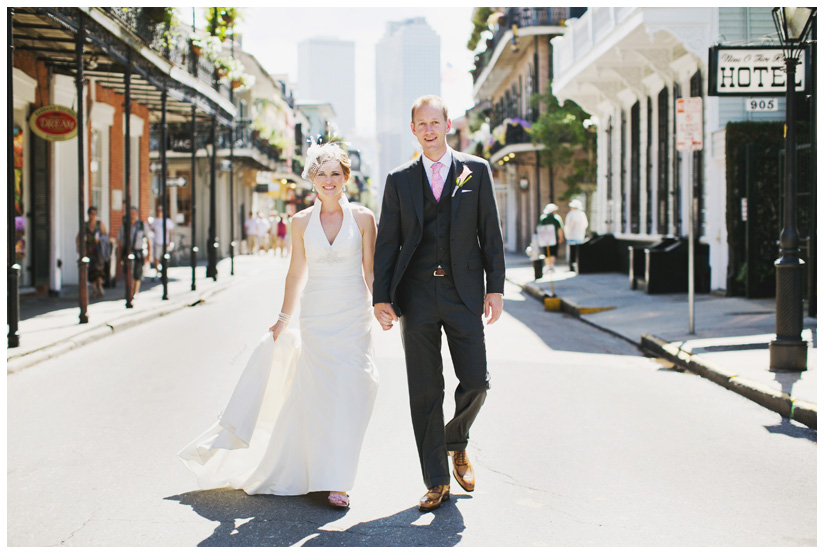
(277,329)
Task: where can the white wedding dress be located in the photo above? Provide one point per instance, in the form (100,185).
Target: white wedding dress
(297,418)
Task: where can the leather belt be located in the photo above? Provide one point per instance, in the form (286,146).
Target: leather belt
(439,272)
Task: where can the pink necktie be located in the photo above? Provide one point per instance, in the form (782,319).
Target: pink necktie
(437,183)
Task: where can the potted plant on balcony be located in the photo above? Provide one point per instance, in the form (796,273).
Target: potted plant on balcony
(242,82)
(218,20)
(228,15)
(225,66)
(205,45)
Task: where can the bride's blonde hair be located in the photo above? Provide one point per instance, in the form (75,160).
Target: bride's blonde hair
(317,154)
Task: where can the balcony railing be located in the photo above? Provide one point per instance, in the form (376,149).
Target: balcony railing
(170,42)
(512,131)
(179,137)
(522,17)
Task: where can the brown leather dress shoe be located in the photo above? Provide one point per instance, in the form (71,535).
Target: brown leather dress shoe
(463,470)
(433,498)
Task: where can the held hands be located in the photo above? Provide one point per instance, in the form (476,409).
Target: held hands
(385,315)
(493,305)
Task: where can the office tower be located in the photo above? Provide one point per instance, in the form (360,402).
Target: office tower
(407,65)
(326,73)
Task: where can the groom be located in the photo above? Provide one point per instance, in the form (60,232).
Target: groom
(438,236)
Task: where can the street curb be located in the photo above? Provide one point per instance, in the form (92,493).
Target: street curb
(801,411)
(779,402)
(566,306)
(569,308)
(17,363)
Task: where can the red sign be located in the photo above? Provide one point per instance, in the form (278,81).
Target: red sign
(54,123)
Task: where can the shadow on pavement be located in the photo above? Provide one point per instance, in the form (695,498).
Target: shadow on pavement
(790,429)
(283,521)
(561,331)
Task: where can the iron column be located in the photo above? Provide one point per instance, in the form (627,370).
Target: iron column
(13,272)
(164,199)
(194,250)
(212,241)
(82,259)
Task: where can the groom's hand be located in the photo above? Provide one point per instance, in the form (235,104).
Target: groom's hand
(493,305)
(385,315)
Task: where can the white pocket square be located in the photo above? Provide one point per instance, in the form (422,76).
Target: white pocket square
(466,190)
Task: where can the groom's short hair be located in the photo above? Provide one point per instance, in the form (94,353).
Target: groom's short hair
(431,100)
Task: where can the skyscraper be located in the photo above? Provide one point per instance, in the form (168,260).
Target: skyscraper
(326,73)
(407,65)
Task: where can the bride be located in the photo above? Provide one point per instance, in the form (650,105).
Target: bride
(297,418)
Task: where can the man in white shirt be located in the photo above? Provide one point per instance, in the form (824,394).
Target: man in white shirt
(250,228)
(157,239)
(262,227)
(575,226)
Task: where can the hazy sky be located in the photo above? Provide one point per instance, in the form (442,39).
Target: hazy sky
(272,36)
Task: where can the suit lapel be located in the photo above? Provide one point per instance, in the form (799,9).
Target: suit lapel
(417,191)
(458,165)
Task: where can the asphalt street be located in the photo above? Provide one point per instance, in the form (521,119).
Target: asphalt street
(583,441)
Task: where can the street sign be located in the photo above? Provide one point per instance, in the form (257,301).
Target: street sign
(176,182)
(689,123)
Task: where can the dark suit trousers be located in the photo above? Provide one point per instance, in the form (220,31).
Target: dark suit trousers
(427,304)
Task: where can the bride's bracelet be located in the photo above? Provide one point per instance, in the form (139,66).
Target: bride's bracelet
(285,318)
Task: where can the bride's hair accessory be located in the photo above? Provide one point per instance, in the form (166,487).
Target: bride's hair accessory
(318,153)
(285,318)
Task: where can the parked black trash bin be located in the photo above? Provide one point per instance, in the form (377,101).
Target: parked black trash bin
(666,267)
(598,254)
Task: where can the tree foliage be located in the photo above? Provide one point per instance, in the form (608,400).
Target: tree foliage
(561,129)
(479,26)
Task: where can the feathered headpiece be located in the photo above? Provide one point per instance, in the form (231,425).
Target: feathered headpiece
(318,153)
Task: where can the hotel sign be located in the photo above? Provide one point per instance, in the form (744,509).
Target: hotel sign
(54,123)
(752,71)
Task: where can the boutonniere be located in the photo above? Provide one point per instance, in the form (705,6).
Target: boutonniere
(465,176)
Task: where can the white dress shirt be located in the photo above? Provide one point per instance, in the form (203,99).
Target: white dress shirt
(445,160)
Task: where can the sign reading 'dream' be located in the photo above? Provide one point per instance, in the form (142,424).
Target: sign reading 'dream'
(54,123)
(752,71)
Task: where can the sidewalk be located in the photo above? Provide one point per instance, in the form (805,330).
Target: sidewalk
(49,326)
(729,346)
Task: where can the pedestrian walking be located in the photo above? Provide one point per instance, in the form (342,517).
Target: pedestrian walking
(575,227)
(98,250)
(297,418)
(262,232)
(157,239)
(550,234)
(438,240)
(281,235)
(250,228)
(141,247)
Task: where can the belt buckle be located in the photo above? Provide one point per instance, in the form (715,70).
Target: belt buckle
(439,272)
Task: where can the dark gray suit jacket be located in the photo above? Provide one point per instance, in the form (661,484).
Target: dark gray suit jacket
(476,245)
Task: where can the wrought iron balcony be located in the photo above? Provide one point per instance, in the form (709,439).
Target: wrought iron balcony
(171,42)
(521,18)
(179,139)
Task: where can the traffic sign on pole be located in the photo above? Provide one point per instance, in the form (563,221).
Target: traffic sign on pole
(689,123)
(689,138)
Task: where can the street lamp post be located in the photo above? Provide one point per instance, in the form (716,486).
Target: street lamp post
(212,241)
(788,352)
